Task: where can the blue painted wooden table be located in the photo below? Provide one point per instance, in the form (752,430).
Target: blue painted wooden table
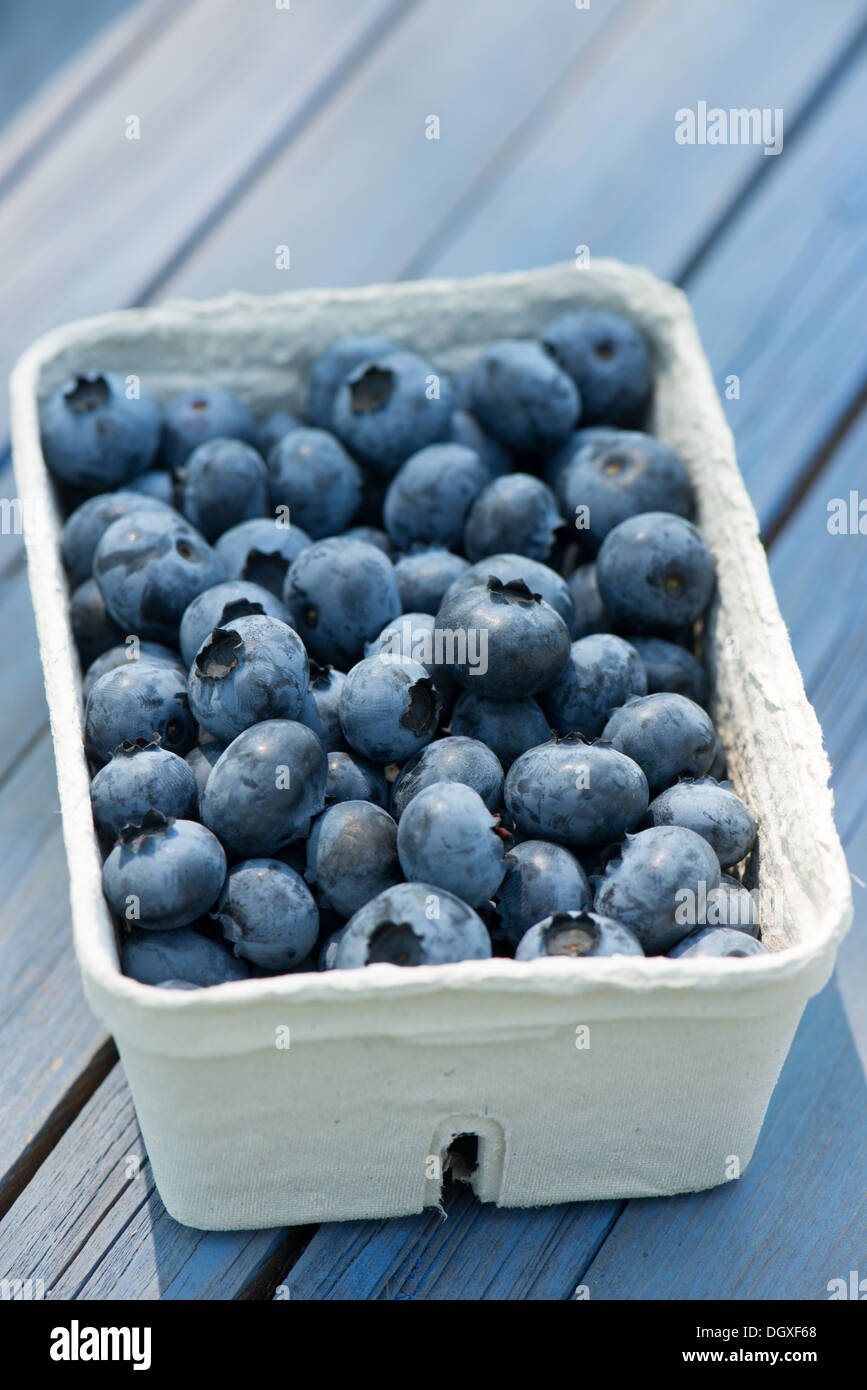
(556,131)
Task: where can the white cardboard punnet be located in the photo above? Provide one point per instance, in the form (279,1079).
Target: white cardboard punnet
(602,1078)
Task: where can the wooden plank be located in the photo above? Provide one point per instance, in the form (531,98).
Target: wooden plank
(473,1252)
(821,579)
(54,1051)
(364,190)
(65,92)
(91,1226)
(22,698)
(216,93)
(602,168)
(781,300)
(37,40)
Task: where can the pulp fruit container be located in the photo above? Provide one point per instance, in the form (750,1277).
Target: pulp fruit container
(322,1097)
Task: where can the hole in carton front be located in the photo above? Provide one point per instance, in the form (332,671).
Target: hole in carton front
(461,1158)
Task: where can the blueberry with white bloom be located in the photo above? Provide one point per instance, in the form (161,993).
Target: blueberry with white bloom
(265,789)
(668,736)
(268,914)
(577,934)
(261,551)
(454,759)
(141,777)
(540,878)
(713,811)
(655,884)
(448,837)
(97,433)
(603,671)
(312,474)
(250,671)
(352,855)
(389,708)
(576,793)
(215,607)
(163,873)
(719,942)
(413,924)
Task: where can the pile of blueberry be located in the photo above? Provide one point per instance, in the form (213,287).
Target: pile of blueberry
(412,680)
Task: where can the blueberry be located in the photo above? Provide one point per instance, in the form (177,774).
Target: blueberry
(650,887)
(464,760)
(522,398)
(655,572)
(576,934)
(712,811)
(424,575)
(556,462)
(576,793)
(501,640)
(352,855)
(413,924)
(466,430)
(508,727)
(320,708)
(222,483)
(591,614)
(390,406)
(611,479)
(430,494)
(274,428)
(340,594)
(607,358)
(139,700)
(312,474)
(732,905)
(202,757)
(389,708)
(163,873)
(97,438)
(353,778)
(718,941)
(250,671)
(86,525)
(411,637)
(158,486)
(261,551)
(263,792)
(516,513)
(671,667)
(223,604)
(127,652)
(448,837)
(197,416)
(668,736)
(150,566)
(540,878)
(603,671)
(372,535)
(539,578)
(93,628)
(141,777)
(330,369)
(182,956)
(268,913)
